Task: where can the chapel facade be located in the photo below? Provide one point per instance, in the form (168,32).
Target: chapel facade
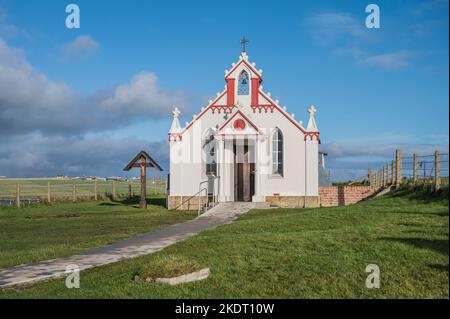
(244,146)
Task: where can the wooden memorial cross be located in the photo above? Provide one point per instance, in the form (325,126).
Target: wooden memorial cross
(143,160)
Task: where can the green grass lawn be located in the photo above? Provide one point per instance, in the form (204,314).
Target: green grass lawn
(295,253)
(40,232)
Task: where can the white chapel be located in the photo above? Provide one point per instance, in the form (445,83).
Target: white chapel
(243,146)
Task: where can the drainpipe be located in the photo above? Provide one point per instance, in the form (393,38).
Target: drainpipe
(306,172)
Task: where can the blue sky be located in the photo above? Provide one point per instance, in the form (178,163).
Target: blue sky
(375,89)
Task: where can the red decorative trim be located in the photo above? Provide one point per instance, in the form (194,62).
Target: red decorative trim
(175,137)
(245,117)
(255,90)
(239,124)
(247,64)
(312,135)
(262,107)
(224,108)
(230,92)
(204,111)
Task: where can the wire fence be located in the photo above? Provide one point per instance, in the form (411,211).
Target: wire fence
(430,169)
(422,168)
(23,191)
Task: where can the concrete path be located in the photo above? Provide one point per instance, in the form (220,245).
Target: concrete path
(144,244)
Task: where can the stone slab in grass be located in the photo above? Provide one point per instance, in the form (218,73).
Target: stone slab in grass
(172,270)
(194,276)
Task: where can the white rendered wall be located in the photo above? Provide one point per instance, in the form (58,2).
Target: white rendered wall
(300,158)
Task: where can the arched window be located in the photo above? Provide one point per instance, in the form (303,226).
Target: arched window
(277,152)
(243,83)
(210,149)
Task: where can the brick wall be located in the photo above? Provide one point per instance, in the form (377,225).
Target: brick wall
(344,195)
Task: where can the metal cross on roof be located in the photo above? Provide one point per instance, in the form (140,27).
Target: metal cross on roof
(244,42)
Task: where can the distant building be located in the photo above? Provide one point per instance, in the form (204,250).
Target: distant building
(324,173)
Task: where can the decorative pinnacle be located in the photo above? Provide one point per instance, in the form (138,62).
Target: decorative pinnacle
(176,112)
(312,110)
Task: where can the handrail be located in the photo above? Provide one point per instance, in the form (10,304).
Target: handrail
(200,190)
(189,198)
(214,178)
(199,198)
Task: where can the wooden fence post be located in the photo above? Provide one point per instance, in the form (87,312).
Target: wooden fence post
(398,167)
(392,172)
(389,177)
(415,168)
(129,189)
(17,194)
(49,192)
(437,170)
(374,179)
(95,190)
(386,174)
(74,191)
(378,178)
(369,176)
(113,190)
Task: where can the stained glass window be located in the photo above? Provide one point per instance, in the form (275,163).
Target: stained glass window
(210,152)
(277,152)
(243,83)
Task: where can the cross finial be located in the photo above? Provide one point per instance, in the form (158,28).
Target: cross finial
(312,110)
(176,112)
(244,42)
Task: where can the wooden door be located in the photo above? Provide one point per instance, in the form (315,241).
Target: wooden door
(244,178)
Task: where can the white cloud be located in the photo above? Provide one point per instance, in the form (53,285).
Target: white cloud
(348,36)
(327,28)
(83,46)
(52,155)
(141,95)
(392,60)
(349,159)
(30,102)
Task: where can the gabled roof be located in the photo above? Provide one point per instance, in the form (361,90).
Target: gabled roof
(149,162)
(271,103)
(243,59)
(282,111)
(221,130)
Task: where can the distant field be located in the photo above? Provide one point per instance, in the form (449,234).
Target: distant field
(62,189)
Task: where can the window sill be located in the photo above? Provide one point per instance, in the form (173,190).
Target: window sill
(276,176)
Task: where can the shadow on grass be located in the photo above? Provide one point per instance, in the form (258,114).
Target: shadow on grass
(438,245)
(422,193)
(439,214)
(134,202)
(439,267)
